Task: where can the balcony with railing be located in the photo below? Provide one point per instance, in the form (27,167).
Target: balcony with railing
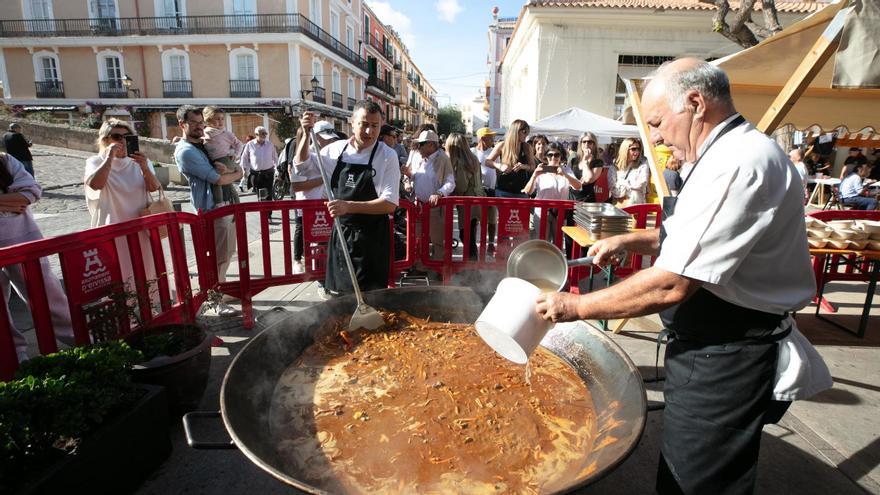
(380,85)
(178,88)
(183,25)
(383,48)
(244,88)
(351,102)
(336,99)
(319,95)
(50,89)
(112,89)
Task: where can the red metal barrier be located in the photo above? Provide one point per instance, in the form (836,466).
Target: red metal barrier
(91,272)
(317,225)
(513,228)
(81,252)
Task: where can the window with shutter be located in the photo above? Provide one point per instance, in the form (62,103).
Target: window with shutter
(246,67)
(50,69)
(177,67)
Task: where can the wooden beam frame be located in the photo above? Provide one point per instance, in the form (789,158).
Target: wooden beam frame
(635,102)
(801,78)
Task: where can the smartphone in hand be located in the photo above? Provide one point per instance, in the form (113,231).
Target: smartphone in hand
(131,144)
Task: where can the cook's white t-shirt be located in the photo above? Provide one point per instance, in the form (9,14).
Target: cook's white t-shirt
(385,163)
(739,225)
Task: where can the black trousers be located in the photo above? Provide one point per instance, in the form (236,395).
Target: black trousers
(718,399)
(298,239)
(263,180)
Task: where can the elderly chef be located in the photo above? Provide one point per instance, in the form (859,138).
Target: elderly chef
(733,263)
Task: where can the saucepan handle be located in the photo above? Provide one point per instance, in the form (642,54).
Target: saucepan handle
(585,261)
(196,444)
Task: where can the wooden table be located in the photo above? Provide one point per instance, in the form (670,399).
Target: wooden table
(873,259)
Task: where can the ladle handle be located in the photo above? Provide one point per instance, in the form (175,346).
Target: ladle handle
(585,261)
(336,224)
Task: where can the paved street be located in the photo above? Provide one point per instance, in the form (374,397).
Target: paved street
(62,209)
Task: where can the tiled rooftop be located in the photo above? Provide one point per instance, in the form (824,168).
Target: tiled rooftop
(781,6)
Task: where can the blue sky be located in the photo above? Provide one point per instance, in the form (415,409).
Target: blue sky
(446,39)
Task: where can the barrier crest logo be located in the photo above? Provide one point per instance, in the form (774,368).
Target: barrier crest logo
(92,260)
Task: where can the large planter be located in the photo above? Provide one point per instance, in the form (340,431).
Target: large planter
(184,375)
(116,457)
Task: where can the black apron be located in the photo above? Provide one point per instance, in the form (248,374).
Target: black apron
(720,367)
(368,237)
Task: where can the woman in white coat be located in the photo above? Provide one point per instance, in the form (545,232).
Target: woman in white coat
(116,187)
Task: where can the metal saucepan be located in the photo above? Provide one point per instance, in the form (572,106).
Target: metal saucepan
(248,387)
(542,264)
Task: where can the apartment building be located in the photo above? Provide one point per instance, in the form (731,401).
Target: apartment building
(499,35)
(141,59)
(379,63)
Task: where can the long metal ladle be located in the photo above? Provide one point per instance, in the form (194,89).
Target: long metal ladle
(365,316)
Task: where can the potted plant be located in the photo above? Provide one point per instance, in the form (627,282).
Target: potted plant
(69,416)
(176,356)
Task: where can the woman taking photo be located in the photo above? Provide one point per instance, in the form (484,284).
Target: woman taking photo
(628,178)
(18,190)
(514,160)
(551,181)
(468,182)
(117,189)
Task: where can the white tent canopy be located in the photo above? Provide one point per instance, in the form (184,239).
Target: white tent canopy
(575,121)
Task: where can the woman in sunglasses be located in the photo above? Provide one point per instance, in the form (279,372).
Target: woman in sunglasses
(551,180)
(628,178)
(589,168)
(116,187)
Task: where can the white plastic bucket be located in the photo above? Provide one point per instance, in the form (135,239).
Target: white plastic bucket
(509,324)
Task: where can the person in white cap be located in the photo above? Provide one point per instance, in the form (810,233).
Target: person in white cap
(433,178)
(364,178)
(259,157)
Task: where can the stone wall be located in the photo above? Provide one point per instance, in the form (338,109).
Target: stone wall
(77,138)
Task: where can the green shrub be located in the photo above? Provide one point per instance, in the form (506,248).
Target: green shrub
(58,398)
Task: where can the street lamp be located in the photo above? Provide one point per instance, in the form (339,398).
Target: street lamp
(305,92)
(127,82)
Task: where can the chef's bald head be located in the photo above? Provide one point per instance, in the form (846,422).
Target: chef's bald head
(681,76)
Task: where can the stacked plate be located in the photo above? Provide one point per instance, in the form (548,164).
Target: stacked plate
(601,220)
(843,234)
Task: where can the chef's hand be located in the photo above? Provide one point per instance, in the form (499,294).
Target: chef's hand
(338,207)
(557,306)
(308,120)
(606,251)
(434,199)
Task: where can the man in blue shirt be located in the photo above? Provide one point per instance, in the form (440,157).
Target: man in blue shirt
(853,191)
(192,160)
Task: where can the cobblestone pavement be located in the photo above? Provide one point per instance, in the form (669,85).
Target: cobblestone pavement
(62,209)
(60,173)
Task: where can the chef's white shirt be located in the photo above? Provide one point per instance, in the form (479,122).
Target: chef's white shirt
(738,225)
(385,163)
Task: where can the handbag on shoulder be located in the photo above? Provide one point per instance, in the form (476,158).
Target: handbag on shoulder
(162,205)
